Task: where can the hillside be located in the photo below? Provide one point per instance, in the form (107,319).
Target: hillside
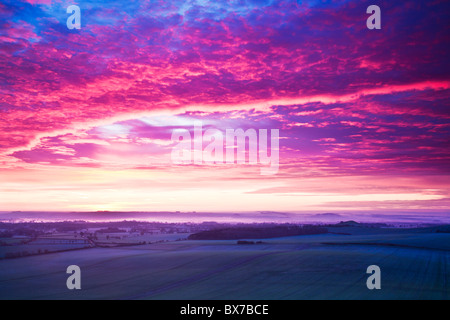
(257,232)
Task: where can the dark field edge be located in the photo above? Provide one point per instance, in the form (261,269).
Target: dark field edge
(382,245)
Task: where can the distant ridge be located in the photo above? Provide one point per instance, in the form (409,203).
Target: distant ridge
(331,215)
(350,223)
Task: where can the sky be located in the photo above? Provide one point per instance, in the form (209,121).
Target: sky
(87,116)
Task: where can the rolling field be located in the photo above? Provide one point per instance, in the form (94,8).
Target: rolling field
(413,266)
(63,242)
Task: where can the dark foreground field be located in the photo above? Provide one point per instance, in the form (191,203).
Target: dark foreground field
(414,265)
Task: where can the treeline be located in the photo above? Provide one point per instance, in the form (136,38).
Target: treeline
(111,230)
(257,232)
(27,232)
(20,254)
(443,229)
(30,229)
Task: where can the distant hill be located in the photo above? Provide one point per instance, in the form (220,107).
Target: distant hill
(350,223)
(257,232)
(328,215)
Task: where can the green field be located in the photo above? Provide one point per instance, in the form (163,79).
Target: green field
(413,266)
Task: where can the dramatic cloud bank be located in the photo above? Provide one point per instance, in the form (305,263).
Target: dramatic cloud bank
(86,116)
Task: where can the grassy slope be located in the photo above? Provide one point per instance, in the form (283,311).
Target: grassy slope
(285,268)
